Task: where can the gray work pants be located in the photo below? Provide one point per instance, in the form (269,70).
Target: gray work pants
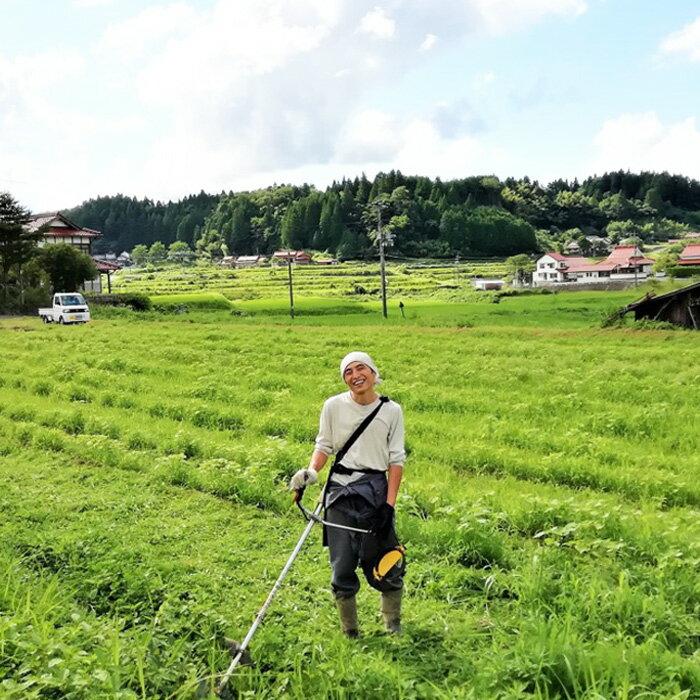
(344,546)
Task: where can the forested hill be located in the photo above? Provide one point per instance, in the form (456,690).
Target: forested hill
(126,221)
(477,216)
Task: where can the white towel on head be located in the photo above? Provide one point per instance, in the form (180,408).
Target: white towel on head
(359,357)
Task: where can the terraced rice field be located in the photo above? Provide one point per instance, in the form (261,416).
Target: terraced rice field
(345,279)
(550,506)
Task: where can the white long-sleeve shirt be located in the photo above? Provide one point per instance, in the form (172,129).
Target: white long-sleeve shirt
(380,445)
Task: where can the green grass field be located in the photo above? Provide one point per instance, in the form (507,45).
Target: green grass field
(550,506)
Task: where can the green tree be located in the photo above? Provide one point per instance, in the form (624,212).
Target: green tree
(654,201)
(662,229)
(157,253)
(211,245)
(617,207)
(496,232)
(350,246)
(18,244)
(617,230)
(574,210)
(520,267)
(322,237)
(240,236)
(139,255)
(454,230)
(67,267)
(292,227)
(668,258)
(180,252)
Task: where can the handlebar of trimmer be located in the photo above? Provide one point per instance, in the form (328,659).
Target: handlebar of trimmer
(296,498)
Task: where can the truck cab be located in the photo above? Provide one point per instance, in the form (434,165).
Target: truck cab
(67,308)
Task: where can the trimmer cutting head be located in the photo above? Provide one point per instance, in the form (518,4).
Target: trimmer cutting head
(234,648)
(204,688)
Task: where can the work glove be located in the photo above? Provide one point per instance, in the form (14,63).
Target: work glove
(383,519)
(302,479)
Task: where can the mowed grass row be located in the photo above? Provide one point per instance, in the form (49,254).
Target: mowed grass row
(568,415)
(520,586)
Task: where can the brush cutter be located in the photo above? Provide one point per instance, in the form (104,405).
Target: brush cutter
(385,562)
(239,651)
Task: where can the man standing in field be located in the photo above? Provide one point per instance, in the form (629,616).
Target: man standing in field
(361,491)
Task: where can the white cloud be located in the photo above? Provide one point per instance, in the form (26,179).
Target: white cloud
(25,82)
(242,92)
(414,145)
(481,81)
(423,150)
(642,142)
(428,42)
(503,16)
(368,136)
(377,24)
(92,3)
(685,41)
(133,37)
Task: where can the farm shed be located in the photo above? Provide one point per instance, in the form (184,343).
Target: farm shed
(681,307)
(104,267)
(483,285)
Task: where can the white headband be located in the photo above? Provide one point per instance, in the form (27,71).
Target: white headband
(359,357)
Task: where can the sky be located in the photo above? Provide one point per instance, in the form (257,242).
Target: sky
(166,99)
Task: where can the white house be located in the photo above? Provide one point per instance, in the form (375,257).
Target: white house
(552,267)
(625,262)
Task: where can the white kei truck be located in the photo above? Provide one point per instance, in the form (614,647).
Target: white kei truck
(67,308)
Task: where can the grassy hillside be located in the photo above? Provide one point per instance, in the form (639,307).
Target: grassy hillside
(550,505)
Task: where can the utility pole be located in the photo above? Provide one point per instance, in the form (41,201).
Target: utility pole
(382,270)
(291,287)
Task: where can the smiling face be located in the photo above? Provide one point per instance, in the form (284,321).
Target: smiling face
(360,380)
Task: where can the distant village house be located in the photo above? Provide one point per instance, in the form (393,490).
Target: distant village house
(249,260)
(690,255)
(298,257)
(625,263)
(60,229)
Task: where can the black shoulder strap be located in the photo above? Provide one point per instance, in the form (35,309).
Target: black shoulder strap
(359,430)
(343,451)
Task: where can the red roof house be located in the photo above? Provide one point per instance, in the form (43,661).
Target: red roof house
(60,229)
(690,255)
(296,256)
(624,262)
